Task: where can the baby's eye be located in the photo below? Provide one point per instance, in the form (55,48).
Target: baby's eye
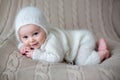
(36,33)
(25,37)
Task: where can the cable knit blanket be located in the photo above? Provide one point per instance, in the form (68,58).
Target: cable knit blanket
(102,17)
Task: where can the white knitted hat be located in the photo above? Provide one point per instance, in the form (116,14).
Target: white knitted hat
(30,15)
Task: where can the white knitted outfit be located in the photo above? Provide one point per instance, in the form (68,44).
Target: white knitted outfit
(74,45)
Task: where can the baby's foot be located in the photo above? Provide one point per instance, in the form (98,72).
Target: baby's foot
(102,45)
(102,49)
(103,54)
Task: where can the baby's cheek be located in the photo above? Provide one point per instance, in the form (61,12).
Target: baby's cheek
(26,43)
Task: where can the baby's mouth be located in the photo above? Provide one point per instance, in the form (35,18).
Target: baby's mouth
(35,44)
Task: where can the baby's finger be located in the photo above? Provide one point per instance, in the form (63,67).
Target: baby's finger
(28,49)
(22,52)
(28,55)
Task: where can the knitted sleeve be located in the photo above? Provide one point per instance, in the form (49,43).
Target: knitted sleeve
(45,56)
(52,51)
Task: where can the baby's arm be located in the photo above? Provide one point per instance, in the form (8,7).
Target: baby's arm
(46,56)
(50,55)
(52,51)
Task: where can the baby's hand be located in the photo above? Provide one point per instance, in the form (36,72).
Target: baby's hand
(26,50)
(29,54)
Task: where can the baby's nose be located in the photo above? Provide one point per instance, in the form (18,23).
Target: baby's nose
(31,39)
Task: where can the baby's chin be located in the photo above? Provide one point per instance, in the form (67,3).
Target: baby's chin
(35,47)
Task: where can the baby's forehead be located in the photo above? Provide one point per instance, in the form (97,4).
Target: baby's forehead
(29,28)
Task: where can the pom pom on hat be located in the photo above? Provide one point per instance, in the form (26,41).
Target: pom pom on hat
(30,15)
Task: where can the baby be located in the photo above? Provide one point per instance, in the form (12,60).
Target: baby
(39,41)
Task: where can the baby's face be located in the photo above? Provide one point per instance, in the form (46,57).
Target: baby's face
(32,35)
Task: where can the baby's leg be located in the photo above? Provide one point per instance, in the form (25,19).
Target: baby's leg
(87,57)
(102,49)
(87,47)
